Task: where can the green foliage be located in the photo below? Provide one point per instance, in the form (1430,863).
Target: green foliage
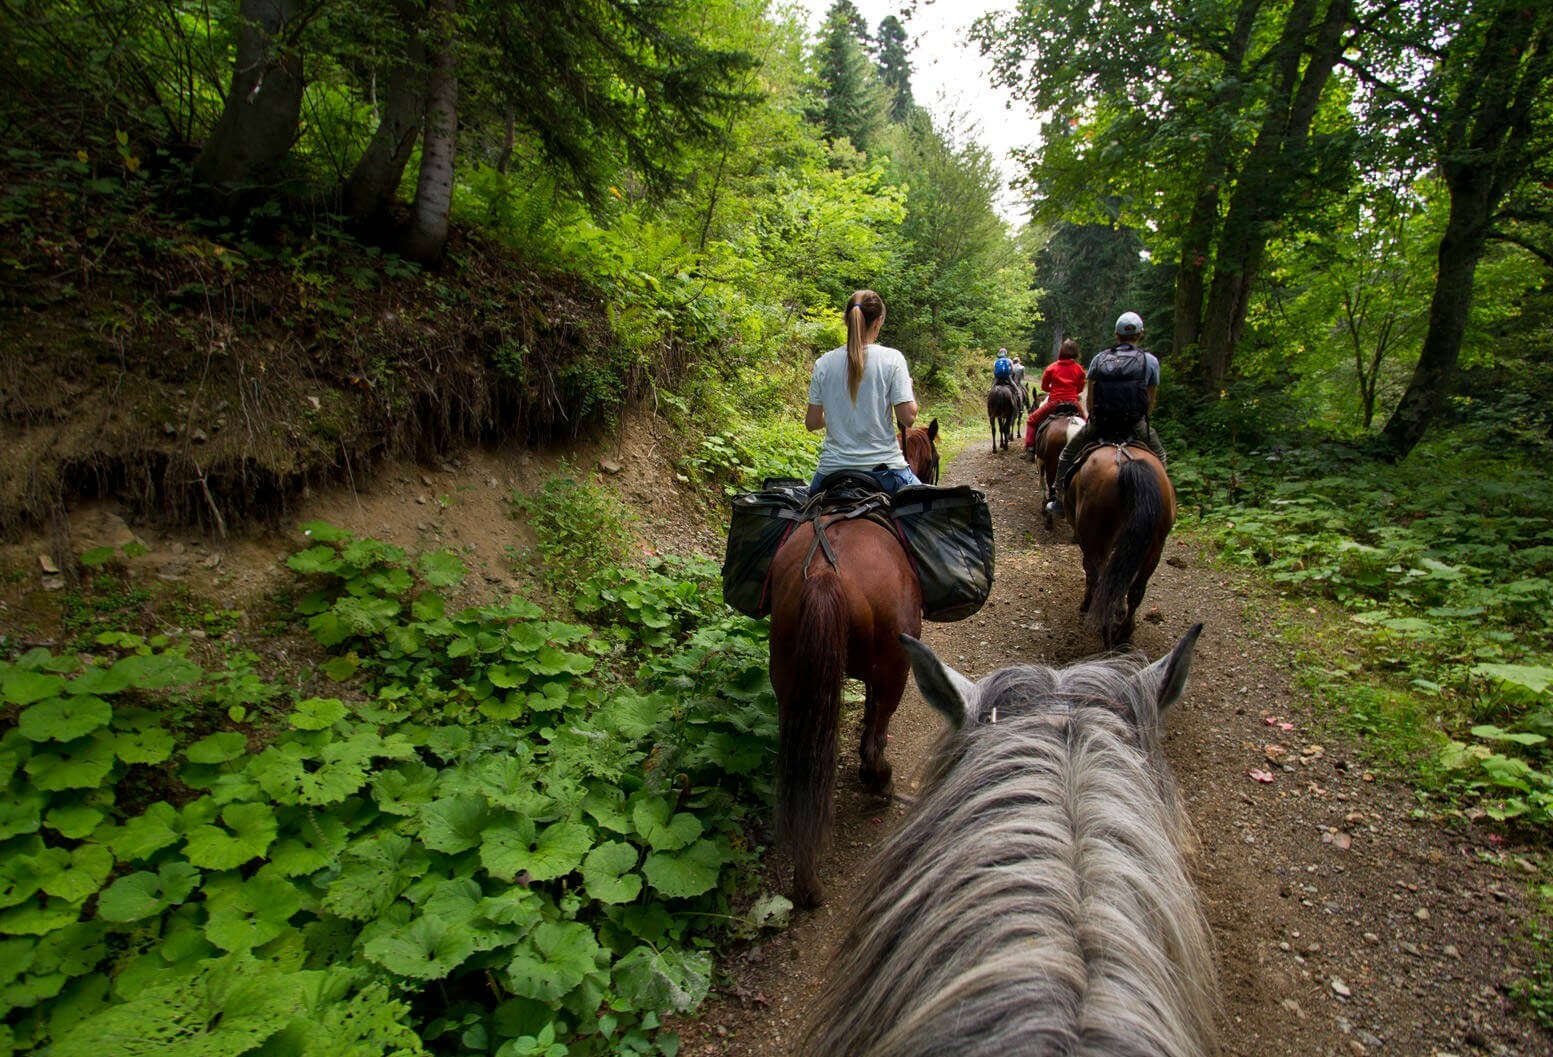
(487,812)
(1442,566)
(583,527)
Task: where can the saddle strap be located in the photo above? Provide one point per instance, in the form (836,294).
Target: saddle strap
(870,511)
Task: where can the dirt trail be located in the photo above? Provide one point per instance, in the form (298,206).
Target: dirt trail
(1343,924)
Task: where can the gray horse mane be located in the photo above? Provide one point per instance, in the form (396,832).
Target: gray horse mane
(1037,899)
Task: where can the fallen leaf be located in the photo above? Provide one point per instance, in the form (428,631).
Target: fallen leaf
(1261,776)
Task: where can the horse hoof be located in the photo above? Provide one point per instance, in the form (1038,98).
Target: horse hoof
(876,782)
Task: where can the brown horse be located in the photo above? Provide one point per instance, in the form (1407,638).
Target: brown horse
(1003,403)
(920,446)
(838,612)
(1122,507)
(1049,443)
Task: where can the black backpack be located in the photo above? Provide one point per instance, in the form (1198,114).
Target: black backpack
(1118,390)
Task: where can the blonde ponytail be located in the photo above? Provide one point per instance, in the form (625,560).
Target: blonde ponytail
(862,311)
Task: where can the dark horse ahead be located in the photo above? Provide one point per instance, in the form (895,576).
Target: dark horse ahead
(1003,404)
(1122,506)
(839,606)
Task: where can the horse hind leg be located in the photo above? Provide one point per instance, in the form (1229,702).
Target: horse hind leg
(883,697)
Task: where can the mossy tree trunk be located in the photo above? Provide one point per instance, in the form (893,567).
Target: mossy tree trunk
(429,214)
(369,192)
(259,120)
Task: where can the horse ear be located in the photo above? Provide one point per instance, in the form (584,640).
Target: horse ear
(942,687)
(1169,672)
(932,430)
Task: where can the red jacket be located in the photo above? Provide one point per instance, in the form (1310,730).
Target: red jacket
(1063,382)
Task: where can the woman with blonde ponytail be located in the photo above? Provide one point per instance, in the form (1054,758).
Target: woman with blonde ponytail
(857,394)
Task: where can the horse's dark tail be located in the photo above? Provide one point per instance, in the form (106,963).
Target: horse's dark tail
(806,745)
(1142,503)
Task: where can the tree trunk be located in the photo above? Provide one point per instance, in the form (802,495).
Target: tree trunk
(1487,144)
(1197,240)
(1271,172)
(370,190)
(428,234)
(1466,232)
(259,120)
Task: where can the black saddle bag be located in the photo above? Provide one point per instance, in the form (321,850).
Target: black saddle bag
(759,523)
(950,534)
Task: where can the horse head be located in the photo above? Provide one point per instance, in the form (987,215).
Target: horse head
(1049,782)
(920,446)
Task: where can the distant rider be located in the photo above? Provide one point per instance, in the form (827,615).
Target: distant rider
(1118,396)
(1002,369)
(1062,382)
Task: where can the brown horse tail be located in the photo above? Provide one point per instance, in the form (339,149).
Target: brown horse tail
(1143,506)
(806,745)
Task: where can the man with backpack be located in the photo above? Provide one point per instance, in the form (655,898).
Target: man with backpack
(1118,396)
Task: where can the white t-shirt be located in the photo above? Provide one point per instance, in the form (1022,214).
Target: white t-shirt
(860,436)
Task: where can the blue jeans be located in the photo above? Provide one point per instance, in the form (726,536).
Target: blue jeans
(890,481)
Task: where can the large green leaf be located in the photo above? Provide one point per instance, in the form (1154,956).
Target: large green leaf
(156,671)
(313,840)
(21,813)
(668,980)
(81,764)
(1536,678)
(429,949)
(318,713)
(217,748)
(661,827)
(141,895)
(21,687)
(690,872)
(250,831)
(374,871)
(252,913)
(65,718)
(442,568)
(148,833)
(88,866)
(75,821)
(405,789)
(608,872)
(508,850)
(556,958)
(152,745)
(455,824)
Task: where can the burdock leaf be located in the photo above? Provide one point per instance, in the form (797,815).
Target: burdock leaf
(556,958)
(21,687)
(318,713)
(686,873)
(554,851)
(141,895)
(217,748)
(87,869)
(608,875)
(148,833)
(252,831)
(65,718)
(663,829)
(454,823)
(429,949)
(663,981)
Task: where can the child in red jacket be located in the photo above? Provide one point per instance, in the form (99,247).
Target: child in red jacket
(1062,382)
